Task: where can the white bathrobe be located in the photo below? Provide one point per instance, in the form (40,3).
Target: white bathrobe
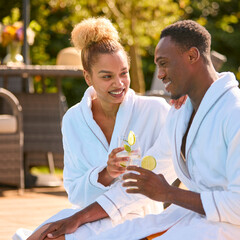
(212,169)
(86,153)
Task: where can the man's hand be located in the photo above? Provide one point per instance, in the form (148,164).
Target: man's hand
(91,213)
(147,183)
(157,188)
(61,227)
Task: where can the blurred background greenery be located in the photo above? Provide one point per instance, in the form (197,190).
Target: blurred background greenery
(139,23)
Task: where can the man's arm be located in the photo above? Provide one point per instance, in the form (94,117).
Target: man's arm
(157,188)
(69,225)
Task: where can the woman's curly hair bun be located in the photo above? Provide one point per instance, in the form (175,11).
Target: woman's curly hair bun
(93,30)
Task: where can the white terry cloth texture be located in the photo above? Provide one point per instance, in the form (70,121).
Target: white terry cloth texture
(212,169)
(86,153)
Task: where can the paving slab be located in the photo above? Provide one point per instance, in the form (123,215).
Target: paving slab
(28,209)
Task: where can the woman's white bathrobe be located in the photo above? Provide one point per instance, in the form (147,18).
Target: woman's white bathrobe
(212,169)
(86,153)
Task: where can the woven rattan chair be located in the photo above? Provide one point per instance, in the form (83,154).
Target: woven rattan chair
(11,141)
(42,114)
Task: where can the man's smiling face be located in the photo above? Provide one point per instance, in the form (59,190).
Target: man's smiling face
(172,67)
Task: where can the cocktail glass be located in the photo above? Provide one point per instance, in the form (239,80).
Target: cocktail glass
(132,151)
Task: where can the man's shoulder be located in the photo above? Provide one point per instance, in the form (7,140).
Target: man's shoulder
(230,102)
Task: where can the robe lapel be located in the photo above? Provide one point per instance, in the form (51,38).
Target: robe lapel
(122,119)
(180,129)
(217,89)
(86,108)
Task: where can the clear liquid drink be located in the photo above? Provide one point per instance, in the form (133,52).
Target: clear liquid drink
(132,151)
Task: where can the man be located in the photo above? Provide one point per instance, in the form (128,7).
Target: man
(204,139)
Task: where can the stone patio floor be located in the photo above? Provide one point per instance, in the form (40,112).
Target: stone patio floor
(28,209)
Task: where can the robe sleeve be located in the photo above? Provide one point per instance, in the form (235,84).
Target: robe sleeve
(117,203)
(113,199)
(224,206)
(162,152)
(80,182)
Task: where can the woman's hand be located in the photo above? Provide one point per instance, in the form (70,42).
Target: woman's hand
(61,227)
(147,183)
(178,102)
(114,168)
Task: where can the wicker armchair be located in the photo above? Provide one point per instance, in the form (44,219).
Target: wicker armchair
(42,115)
(11,141)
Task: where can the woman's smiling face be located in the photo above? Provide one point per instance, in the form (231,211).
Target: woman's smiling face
(110,77)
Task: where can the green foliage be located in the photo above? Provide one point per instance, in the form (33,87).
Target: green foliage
(5,10)
(74,89)
(45,170)
(139,23)
(222,19)
(12,18)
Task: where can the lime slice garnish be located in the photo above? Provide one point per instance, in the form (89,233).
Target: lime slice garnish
(149,163)
(127,148)
(123,164)
(131,138)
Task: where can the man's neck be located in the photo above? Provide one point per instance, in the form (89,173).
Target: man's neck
(206,78)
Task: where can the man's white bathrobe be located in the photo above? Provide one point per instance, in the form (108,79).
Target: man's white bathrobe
(212,169)
(86,153)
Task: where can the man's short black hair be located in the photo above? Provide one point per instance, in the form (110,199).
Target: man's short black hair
(187,34)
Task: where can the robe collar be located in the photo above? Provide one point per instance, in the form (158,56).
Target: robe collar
(224,83)
(122,119)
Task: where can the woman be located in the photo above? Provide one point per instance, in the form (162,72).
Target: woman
(90,130)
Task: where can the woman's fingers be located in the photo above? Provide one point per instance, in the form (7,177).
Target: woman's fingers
(115,151)
(119,171)
(122,159)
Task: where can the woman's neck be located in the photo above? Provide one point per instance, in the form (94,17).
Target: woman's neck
(105,109)
(105,116)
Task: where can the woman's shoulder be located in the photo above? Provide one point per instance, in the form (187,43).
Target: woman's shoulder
(72,113)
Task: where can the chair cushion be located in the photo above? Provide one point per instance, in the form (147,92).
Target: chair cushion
(8,124)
